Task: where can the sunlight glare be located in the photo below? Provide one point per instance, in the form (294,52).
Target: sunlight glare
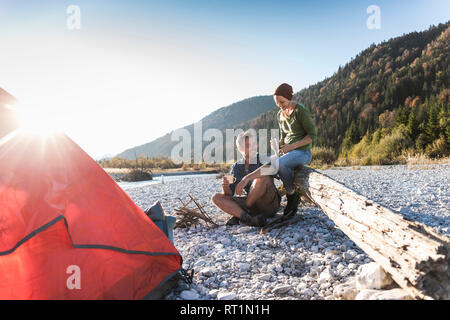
(37,121)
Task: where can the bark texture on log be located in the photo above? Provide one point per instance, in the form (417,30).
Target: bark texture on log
(416,257)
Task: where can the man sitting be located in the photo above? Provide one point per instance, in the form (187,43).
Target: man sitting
(262,200)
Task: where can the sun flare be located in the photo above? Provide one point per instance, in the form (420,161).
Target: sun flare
(36,121)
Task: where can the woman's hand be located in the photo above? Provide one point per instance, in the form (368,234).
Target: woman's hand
(286,148)
(240,186)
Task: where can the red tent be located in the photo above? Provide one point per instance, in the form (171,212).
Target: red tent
(68,231)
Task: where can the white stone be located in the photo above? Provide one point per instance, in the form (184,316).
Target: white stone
(325,276)
(285,260)
(189,295)
(352,266)
(281,289)
(213,292)
(222,253)
(225,241)
(308,292)
(346,256)
(301,286)
(352,252)
(394,294)
(209,281)
(345,291)
(244,267)
(316,262)
(264,277)
(325,285)
(372,276)
(349,254)
(345,272)
(200,263)
(366,294)
(245,229)
(226,296)
(207,272)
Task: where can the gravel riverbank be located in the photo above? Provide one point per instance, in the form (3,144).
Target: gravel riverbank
(306,260)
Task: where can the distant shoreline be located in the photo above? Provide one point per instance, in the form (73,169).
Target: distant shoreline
(117,174)
(411,163)
(182,173)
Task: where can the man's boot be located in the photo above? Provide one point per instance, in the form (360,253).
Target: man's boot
(254,221)
(233,221)
(292,204)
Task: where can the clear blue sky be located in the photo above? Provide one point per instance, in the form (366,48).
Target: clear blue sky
(169,63)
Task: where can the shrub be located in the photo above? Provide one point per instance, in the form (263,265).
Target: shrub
(421,142)
(392,145)
(373,150)
(437,149)
(137,174)
(323,155)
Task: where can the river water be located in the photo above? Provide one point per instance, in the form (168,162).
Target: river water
(159,180)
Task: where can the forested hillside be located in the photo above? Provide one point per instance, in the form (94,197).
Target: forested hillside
(397,90)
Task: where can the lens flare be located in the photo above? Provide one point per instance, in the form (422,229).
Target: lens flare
(37,122)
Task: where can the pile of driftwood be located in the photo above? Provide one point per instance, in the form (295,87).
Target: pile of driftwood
(187,217)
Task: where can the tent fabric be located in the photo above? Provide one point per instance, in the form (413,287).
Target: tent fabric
(59,209)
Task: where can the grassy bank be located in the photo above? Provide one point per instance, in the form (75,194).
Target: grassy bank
(325,159)
(386,146)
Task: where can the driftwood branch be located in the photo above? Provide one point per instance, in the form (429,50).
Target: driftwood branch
(281,225)
(416,257)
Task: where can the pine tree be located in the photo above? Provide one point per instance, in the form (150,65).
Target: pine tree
(447,135)
(413,125)
(444,123)
(402,116)
(432,126)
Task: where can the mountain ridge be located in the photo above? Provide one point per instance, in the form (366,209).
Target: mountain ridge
(380,84)
(226,117)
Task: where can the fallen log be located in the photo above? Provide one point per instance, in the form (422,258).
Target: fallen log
(416,257)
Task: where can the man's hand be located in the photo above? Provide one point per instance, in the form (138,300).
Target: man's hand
(226,187)
(225,182)
(240,186)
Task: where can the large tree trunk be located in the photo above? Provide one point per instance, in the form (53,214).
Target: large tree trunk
(415,256)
